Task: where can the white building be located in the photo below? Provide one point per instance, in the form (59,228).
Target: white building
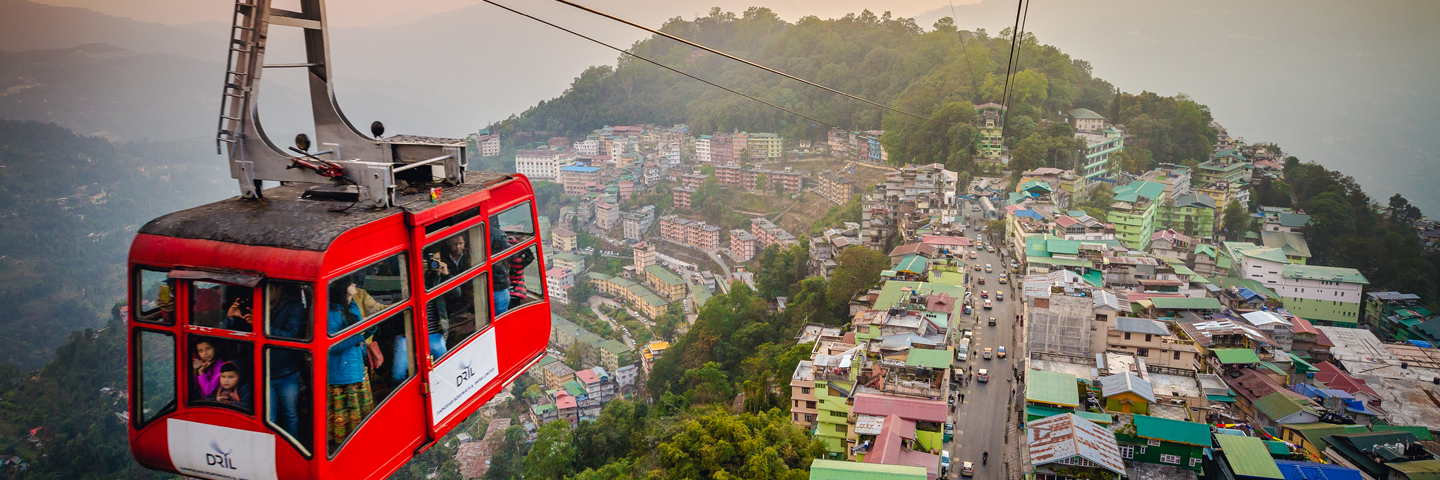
(489,145)
(1277,327)
(542,163)
(607,215)
(1261,264)
(625,376)
(702,149)
(589,147)
(559,280)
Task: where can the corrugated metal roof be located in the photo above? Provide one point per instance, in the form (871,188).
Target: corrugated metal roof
(1248,456)
(1126,382)
(928,357)
(822,469)
(1063,437)
(1176,431)
(1293,470)
(1141,325)
(1054,388)
(1229,356)
(905,407)
(1185,303)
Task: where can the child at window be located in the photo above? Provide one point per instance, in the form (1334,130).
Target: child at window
(230,390)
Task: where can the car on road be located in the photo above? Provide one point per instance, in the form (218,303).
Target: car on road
(988,268)
(984,294)
(989,352)
(1001,353)
(977,267)
(969,334)
(982,280)
(967,469)
(1003,280)
(988,305)
(990,248)
(999,295)
(992,321)
(983,375)
(974,255)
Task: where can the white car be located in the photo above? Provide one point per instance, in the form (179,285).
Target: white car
(983,375)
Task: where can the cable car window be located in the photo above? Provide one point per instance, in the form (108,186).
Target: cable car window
(452,220)
(154,375)
(363,370)
(451,317)
(217,305)
(445,259)
(517,280)
(511,227)
(220,373)
(288,406)
(373,288)
(156,297)
(287,310)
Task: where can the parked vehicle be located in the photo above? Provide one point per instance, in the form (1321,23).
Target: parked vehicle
(983,375)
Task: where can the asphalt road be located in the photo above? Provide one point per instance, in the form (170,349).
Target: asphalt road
(980,421)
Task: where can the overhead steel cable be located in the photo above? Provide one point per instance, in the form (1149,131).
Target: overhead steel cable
(966,51)
(747,62)
(1021,45)
(1004,119)
(707,82)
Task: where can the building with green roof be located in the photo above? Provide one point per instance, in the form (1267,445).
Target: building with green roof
(894,291)
(1165,442)
(1235,356)
(1172,306)
(1328,296)
(822,469)
(665,283)
(1192,214)
(1100,147)
(1279,409)
(914,265)
(1056,389)
(1247,457)
(928,358)
(1311,436)
(1134,213)
(575,389)
(614,355)
(568,261)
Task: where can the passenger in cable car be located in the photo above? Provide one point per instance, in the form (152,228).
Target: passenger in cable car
(205,366)
(232,391)
(518,262)
(500,271)
(238,316)
(289,317)
(349,395)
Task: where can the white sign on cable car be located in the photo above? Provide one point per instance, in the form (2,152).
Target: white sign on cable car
(209,451)
(462,376)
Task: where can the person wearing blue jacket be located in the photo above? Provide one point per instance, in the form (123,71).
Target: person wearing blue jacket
(349,396)
(289,316)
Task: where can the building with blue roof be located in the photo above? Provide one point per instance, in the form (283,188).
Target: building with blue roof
(1293,470)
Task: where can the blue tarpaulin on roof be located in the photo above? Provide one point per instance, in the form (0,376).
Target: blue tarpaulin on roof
(1246,293)
(1029,213)
(1421,343)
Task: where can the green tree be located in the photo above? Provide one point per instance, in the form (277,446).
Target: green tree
(553,454)
(1234,221)
(708,384)
(577,353)
(1402,211)
(507,461)
(857,268)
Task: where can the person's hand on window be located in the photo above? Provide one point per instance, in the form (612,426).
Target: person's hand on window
(237,313)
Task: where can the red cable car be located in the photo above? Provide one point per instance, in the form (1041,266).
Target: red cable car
(338,324)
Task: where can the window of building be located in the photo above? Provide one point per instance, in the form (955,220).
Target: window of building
(842,428)
(1127,451)
(809,404)
(1177,354)
(804,390)
(1194,462)
(1148,337)
(1152,442)
(1168,458)
(1141,449)
(1142,352)
(1127,335)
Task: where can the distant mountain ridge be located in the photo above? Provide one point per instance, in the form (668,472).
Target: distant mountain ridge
(32,26)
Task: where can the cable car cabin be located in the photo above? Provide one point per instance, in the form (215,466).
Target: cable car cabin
(298,337)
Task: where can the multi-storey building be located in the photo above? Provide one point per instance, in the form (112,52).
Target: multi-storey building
(804,409)
(693,180)
(651,353)
(702,149)
(765,146)
(543,163)
(636,223)
(835,187)
(1133,213)
(990,118)
(564,239)
(1328,296)
(568,261)
(703,236)
(645,255)
(1094,168)
(1153,342)
(722,149)
(1380,305)
(488,144)
(1192,214)
(559,280)
(790,181)
(742,245)
(680,196)
(635,295)
(767,234)
(1223,166)
(1086,120)
(579,180)
(728,175)
(665,283)
(607,215)
(588,147)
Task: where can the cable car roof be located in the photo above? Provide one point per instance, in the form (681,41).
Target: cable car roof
(283,219)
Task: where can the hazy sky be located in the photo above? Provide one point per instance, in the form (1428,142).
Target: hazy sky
(355,13)
(1349,84)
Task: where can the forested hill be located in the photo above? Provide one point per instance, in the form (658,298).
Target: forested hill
(70,205)
(926,70)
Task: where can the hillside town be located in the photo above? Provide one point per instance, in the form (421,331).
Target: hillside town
(1137,340)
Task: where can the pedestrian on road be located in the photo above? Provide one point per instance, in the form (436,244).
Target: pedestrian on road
(962,398)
